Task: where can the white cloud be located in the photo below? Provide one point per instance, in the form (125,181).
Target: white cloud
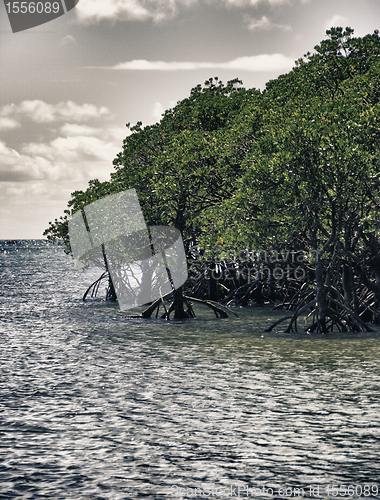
(77,152)
(68,149)
(18,167)
(68,40)
(264,24)
(92,11)
(8,123)
(336,20)
(95,10)
(89,11)
(263,62)
(64,158)
(109,133)
(41,112)
(75,129)
(158,110)
(247,3)
(71,149)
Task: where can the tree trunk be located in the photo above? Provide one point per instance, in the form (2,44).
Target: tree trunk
(348,286)
(179,311)
(375,265)
(212,282)
(321,297)
(111,294)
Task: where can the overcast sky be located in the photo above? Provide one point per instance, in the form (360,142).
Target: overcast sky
(68,87)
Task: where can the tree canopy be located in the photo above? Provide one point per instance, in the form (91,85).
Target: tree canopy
(294,166)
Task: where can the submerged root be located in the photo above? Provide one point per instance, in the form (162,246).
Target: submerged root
(220,310)
(94,287)
(337,315)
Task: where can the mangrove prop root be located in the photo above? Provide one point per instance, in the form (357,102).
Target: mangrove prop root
(218,309)
(95,286)
(270,328)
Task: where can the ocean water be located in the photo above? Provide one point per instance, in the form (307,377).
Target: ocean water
(94,405)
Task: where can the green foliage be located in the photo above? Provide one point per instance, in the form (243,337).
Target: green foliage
(296,165)
(311,177)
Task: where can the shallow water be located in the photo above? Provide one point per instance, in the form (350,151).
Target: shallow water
(95,405)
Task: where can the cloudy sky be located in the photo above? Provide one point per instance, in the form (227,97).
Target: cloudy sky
(68,87)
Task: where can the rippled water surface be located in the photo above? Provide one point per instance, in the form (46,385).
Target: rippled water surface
(95,405)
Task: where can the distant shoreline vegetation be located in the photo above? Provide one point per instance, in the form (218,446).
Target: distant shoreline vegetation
(295,167)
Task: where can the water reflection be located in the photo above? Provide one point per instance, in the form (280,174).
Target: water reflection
(98,406)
